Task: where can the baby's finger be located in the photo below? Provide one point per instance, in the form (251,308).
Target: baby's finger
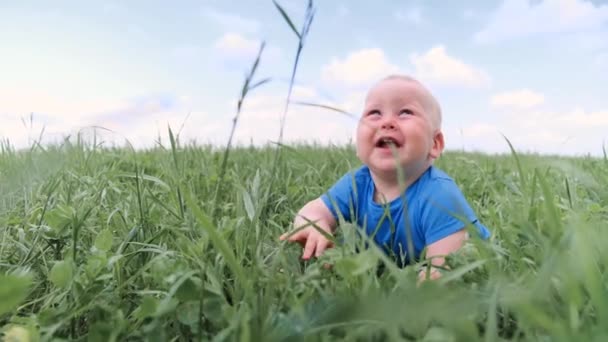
(309,248)
(321,247)
(302,242)
(291,237)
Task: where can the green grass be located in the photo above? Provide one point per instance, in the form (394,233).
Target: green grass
(114,244)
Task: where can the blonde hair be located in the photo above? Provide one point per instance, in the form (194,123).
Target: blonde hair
(432,102)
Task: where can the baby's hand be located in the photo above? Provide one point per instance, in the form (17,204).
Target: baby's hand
(432,274)
(313,242)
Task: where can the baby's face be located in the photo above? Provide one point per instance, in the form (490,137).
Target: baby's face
(397,112)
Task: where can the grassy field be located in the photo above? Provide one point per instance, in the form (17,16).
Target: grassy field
(180,243)
(111,244)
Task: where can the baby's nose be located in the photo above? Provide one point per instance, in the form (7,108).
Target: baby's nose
(388,124)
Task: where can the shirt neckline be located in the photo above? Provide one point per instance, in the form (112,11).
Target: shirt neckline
(397,202)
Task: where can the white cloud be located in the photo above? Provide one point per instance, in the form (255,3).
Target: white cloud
(361,68)
(521,18)
(523,98)
(231,22)
(259,122)
(18,130)
(269,99)
(353,102)
(233,50)
(21,101)
(261,116)
(60,117)
(233,45)
(358,68)
(574,121)
(575,132)
(438,67)
(580,118)
(410,16)
(480,129)
(304,93)
(142,120)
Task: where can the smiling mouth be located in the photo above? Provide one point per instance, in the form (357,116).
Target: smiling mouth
(387,143)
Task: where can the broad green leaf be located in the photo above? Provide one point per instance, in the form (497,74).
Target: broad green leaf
(213,306)
(103,241)
(437,334)
(166,306)
(188,313)
(13,290)
(61,273)
(58,219)
(102,331)
(147,308)
(356,264)
(95,263)
(187,291)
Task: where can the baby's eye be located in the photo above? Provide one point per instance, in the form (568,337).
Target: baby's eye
(406,112)
(373,112)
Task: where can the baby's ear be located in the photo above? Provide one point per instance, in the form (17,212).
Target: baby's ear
(438,145)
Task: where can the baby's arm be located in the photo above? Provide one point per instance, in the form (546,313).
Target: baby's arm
(438,250)
(444,216)
(312,240)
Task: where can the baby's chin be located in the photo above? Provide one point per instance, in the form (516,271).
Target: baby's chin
(381,163)
(389,167)
(384,166)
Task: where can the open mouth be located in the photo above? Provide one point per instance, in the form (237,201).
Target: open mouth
(387,143)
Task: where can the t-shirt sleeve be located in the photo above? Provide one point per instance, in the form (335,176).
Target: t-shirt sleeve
(340,197)
(446,211)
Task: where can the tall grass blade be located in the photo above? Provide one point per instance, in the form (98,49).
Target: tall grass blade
(244,91)
(328,107)
(287,19)
(517,162)
(180,201)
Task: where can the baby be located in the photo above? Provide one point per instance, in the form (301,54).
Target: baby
(398,197)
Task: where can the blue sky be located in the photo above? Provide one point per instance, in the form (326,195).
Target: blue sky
(535,71)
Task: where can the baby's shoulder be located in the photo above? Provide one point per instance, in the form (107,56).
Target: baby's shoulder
(439,194)
(353,179)
(361,174)
(437,183)
(437,177)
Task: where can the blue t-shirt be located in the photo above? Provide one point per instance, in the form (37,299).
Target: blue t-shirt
(434,208)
